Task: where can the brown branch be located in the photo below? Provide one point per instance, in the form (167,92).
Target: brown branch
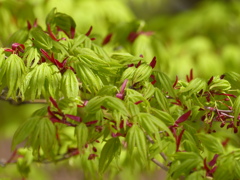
(162,154)
(160,164)
(18,101)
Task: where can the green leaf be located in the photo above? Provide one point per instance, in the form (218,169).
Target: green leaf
(31,56)
(188,161)
(91,59)
(77,41)
(47,134)
(128,73)
(111,149)
(148,125)
(115,103)
(19,36)
(35,81)
(234,79)
(53,81)
(142,72)
(228,166)
(69,85)
(219,84)
(126,58)
(161,100)
(2,56)
(41,39)
(195,86)
(24,162)
(165,83)
(148,90)
(236,108)
(133,108)
(108,90)
(211,143)
(136,138)
(90,81)
(81,133)
(64,22)
(24,131)
(197,175)
(159,123)
(94,104)
(12,73)
(50,17)
(164,116)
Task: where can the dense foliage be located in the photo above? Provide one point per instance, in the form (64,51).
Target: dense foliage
(110,107)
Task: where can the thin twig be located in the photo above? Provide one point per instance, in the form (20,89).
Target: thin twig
(18,101)
(160,164)
(162,153)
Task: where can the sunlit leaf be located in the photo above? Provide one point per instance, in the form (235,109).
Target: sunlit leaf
(69,86)
(41,39)
(211,143)
(161,100)
(195,86)
(136,138)
(81,133)
(236,107)
(110,151)
(47,134)
(165,83)
(24,131)
(142,72)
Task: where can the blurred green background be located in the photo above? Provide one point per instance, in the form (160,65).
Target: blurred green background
(199,35)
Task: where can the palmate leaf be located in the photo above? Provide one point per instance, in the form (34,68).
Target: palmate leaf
(114,103)
(165,83)
(12,73)
(43,79)
(142,72)
(228,166)
(111,149)
(195,86)
(128,74)
(148,125)
(108,90)
(136,138)
(24,131)
(81,133)
(148,90)
(215,146)
(101,52)
(133,108)
(65,22)
(234,79)
(90,80)
(126,58)
(154,121)
(2,56)
(31,56)
(91,59)
(236,108)
(219,84)
(77,42)
(47,134)
(69,86)
(94,104)
(41,39)
(184,163)
(24,163)
(53,82)
(163,116)
(161,100)
(19,36)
